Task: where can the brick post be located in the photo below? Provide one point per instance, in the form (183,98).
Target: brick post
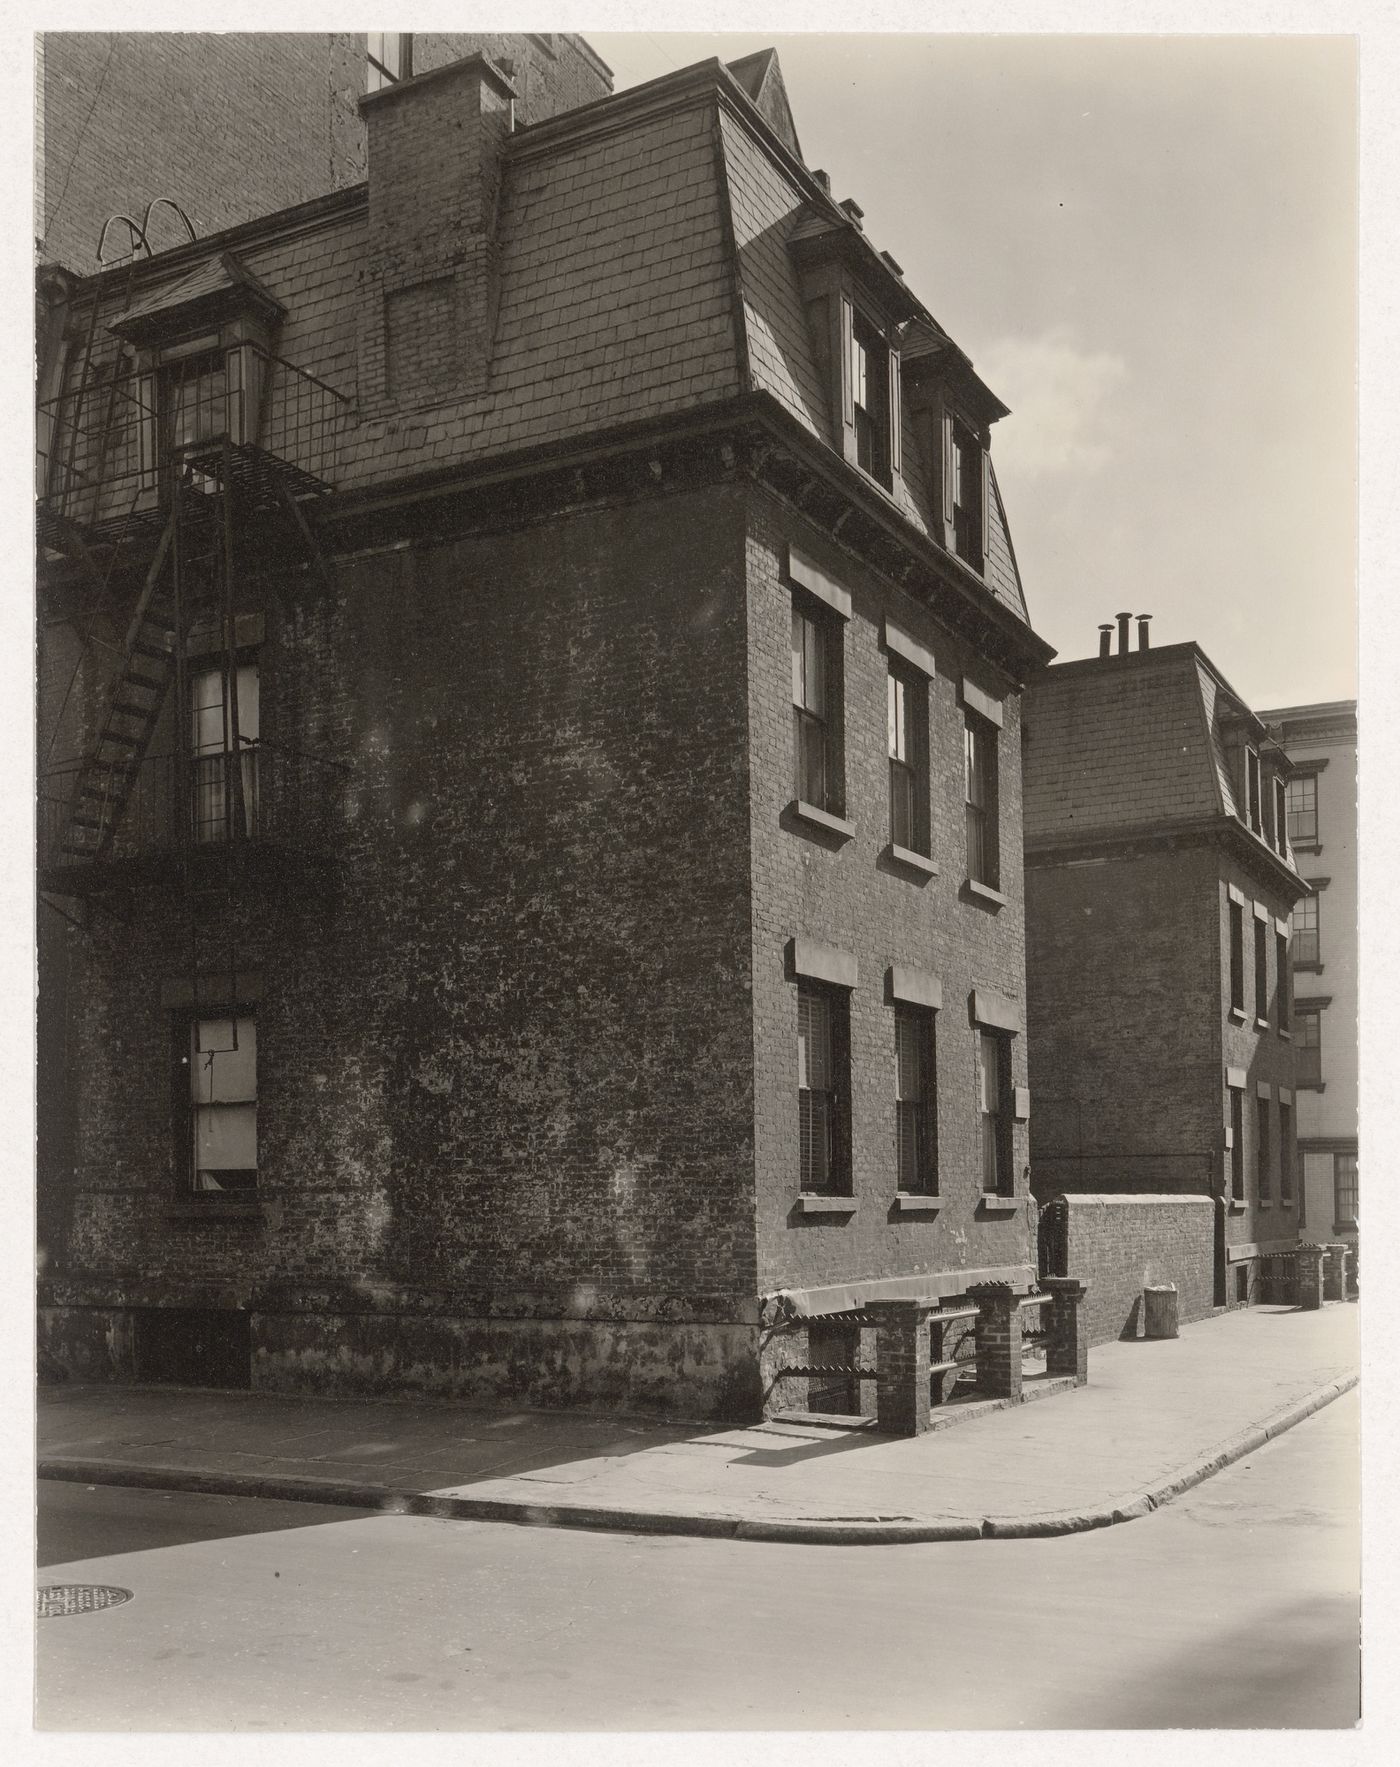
(1311,1258)
(901,1365)
(1353,1286)
(998,1339)
(1334,1275)
(1067,1340)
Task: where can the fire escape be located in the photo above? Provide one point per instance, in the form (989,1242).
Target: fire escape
(182,463)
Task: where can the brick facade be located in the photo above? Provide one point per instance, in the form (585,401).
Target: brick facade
(1119,1245)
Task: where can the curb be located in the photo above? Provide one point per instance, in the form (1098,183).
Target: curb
(799,1530)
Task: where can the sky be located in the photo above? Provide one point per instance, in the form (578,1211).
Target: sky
(1148,247)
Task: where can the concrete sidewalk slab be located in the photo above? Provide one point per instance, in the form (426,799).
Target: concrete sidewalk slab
(1155,1419)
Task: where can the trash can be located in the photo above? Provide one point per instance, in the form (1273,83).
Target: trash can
(1159,1311)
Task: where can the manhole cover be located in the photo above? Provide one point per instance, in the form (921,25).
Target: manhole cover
(78,1598)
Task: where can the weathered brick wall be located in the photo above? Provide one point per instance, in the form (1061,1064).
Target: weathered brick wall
(1120,1244)
(234,124)
(853,898)
(505,1059)
(1123,968)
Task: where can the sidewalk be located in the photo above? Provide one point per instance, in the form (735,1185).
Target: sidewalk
(1154,1419)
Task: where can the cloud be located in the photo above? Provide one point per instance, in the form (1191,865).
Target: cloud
(1063,403)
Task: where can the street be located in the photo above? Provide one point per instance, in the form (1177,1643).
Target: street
(1235,1606)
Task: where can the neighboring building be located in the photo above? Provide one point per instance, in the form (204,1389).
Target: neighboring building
(231,125)
(533,659)
(1159,883)
(1321,744)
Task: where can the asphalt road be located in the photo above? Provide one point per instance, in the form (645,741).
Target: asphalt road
(1235,1606)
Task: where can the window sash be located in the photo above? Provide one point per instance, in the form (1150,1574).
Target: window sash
(1345,1187)
(1306,941)
(1263,1174)
(993,1105)
(1283,990)
(223,1100)
(1261,969)
(1285,1153)
(979,770)
(1252,791)
(385,51)
(1308,1042)
(915,1148)
(1236,957)
(816,1093)
(1302,809)
(903,832)
(1236,1144)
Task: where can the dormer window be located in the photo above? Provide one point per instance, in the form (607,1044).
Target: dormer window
(870,398)
(967,457)
(1253,791)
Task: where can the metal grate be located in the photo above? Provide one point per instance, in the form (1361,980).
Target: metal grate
(54,1600)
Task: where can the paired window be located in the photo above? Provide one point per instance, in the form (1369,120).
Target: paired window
(1263,1174)
(1261,968)
(916,1128)
(1284,994)
(1237,957)
(1302,809)
(1344,1188)
(1305,945)
(907,721)
(390,58)
(823,1088)
(1307,1040)
(870,383)
(980,791)
(223,1103)
(815,701)
(994,1105)
(1285,1153)
(1237,1144)
(224,772)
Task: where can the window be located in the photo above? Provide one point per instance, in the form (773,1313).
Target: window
(223,1118)
(1261,968)
(916,1147)
(1284,990)
(1253,796)
(980,790)
(390,57)
(1237,1144)
(194,400)
(1285,1153)
(1237,958)
(1344,1189)
(1280,817)
(870,398)
(1302,810)
(907,721)
(994,1102)
(967,495)
(1308,1041)
(1263,1174)
(1306,947)
(823,1069)
(225,792)
(813,701)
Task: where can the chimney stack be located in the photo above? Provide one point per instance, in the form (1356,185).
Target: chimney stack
(432,259)
(1144,642)
(823,178)
(1106,640)
(1123,633)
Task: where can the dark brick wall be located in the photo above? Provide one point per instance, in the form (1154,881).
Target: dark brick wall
(505,1058)
(232,125)
(1118,1245)
(855,899)
(1123,968)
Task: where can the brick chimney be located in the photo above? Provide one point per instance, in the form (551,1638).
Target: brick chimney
(431,276)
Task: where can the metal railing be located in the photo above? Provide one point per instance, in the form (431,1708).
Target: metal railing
(114,447)
(278,797)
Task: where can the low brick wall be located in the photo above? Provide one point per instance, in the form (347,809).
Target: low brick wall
(1118,1245)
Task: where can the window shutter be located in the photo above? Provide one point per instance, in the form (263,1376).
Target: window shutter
(896,416)
(848,344)
(985,541)
(950,477)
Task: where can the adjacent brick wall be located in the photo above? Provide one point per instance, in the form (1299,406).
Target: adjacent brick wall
(1120,1244)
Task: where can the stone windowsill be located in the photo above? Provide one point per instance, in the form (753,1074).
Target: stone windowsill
(980,892)
(1261,1024)
(1236,1015)
(1285,1033)
(919,862)
(1237,1205)
(908,1203)
(1308,969)
(213,1210)
(809,1204)
(822,819)
(998,1205)
(1310,1085)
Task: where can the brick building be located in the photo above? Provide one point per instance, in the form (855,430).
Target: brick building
(533,659)
(236,124)
(1159,882)
(1320,741)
